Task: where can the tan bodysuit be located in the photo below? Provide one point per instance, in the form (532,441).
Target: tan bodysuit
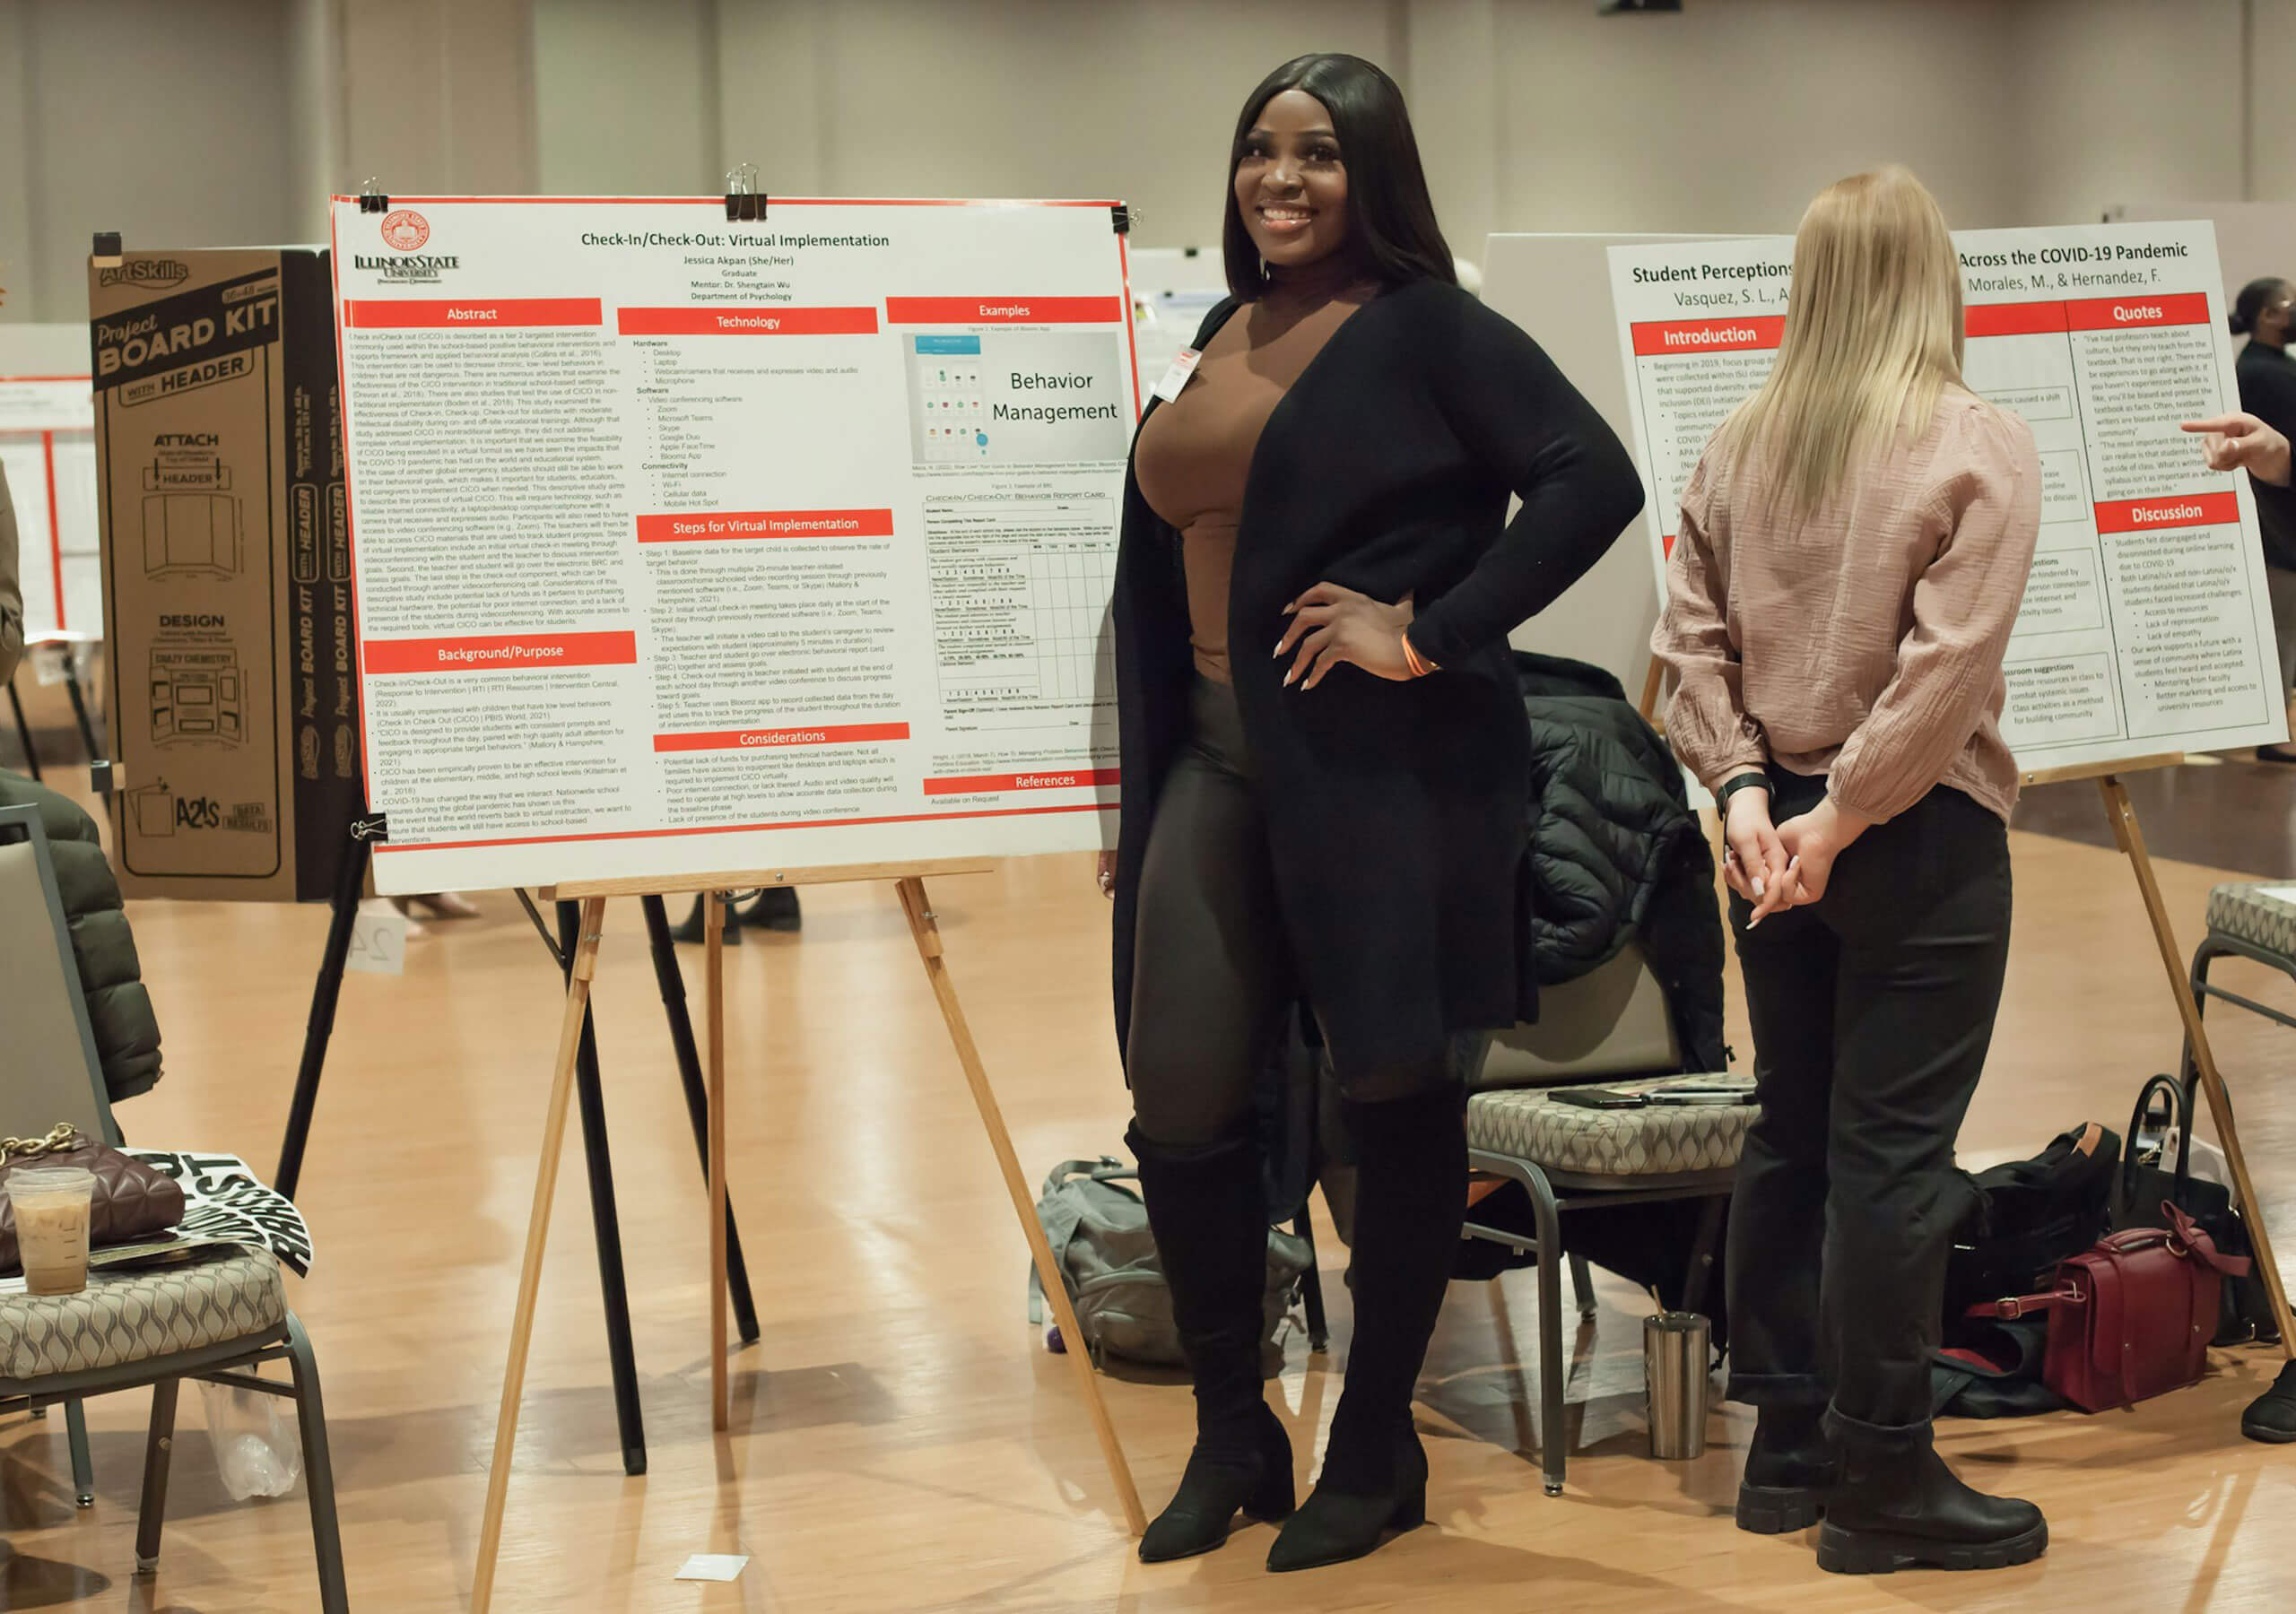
(1194,453)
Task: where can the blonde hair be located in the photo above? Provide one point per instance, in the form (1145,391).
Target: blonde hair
(1873,336)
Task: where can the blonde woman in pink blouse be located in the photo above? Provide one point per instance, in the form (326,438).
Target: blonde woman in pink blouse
(1851,554)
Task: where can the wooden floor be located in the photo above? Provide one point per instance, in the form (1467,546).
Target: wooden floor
(901,1441)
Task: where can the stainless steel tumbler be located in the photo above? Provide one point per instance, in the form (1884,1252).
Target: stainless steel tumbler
(1675,1357)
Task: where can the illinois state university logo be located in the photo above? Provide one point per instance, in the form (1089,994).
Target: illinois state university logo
(405,231)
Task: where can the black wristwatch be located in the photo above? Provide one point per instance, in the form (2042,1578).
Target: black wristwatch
(1750,780)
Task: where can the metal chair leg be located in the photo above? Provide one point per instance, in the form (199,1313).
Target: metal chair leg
(80,707)
(2188,1068)
(1554,1365)
(24,731)
(319,1468)
(1312,1287)
(83,1466)
(1582,1284)
(158,1450)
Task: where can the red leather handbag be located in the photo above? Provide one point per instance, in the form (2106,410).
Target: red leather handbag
(2131,1317)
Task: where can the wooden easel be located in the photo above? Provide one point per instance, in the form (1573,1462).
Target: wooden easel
(909,880)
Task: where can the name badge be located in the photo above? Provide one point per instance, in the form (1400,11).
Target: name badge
(1176,378)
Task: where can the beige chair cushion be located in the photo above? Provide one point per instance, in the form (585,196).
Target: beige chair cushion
(1610,1021)
(136,1316)
(44,1075)
(2251,914)
(1664,1140)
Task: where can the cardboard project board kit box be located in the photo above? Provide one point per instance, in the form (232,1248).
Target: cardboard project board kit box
(227,572)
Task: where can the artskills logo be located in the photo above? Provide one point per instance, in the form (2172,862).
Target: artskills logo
(144,272)
(405,231)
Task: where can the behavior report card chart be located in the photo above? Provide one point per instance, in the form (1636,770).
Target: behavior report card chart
(686,545)
(2145,627)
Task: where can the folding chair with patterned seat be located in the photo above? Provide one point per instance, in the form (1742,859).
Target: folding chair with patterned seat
(2256,922)
(220,1317)
(1611,1026)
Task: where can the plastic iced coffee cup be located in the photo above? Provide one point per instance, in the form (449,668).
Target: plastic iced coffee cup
(51,1208)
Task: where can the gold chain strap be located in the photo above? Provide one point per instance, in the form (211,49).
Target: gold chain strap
(62,1138)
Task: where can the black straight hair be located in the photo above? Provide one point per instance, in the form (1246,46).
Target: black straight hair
(2245,307)
(1391,218)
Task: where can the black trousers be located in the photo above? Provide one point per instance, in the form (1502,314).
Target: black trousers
(1212,982)
(1871,1010)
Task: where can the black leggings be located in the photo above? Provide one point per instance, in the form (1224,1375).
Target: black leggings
(1212,974)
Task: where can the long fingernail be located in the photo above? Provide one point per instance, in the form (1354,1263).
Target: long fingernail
(1279,649)
(1758,888)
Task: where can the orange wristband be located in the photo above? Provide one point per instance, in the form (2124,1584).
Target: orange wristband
(1418,665)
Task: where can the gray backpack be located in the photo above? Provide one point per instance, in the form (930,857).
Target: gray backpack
(1099,1234)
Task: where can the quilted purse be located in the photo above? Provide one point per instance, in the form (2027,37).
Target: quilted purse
(131,1200)
(2131,1317)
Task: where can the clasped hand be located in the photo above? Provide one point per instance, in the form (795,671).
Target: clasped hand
(1782,865)
(1331,625)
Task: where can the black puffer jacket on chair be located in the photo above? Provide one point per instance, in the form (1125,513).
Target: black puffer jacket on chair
(1617,855)
(120,1009)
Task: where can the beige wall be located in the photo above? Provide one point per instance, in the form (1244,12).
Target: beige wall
(159,118)
(1026,98)
(626,100)
(200,121)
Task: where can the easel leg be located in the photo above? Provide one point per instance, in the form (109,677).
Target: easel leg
(713,937)
(23,731)
(2122,814)
(350,879)
(672,981)
(1654,683)
(606,1220)
(927,935)
(522,1318)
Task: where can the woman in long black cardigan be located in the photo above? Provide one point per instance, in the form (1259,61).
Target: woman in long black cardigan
(1378,765)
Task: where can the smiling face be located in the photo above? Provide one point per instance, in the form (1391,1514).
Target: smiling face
(1291,182)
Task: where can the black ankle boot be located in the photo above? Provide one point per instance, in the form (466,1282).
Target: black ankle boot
(1336,1526)
(1207,1206)
(1899,1507)
(2271,1415)
(689,929)
(775,909)
(1788,1469)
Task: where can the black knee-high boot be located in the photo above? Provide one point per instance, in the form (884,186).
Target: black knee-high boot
(1411,1199)
(1207,1206)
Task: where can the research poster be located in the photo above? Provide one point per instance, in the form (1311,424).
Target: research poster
(48,451)
(226,572)
(688,546)
(2146,628)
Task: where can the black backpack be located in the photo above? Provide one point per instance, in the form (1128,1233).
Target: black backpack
(2023,1216)
(2018,1221)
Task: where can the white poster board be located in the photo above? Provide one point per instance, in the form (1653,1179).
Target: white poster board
(47,450)
(1547,284)
(2146,628)
(687,546)
(1173,288)
(2254,240)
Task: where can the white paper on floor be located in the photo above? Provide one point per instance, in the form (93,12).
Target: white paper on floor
(715,1566)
